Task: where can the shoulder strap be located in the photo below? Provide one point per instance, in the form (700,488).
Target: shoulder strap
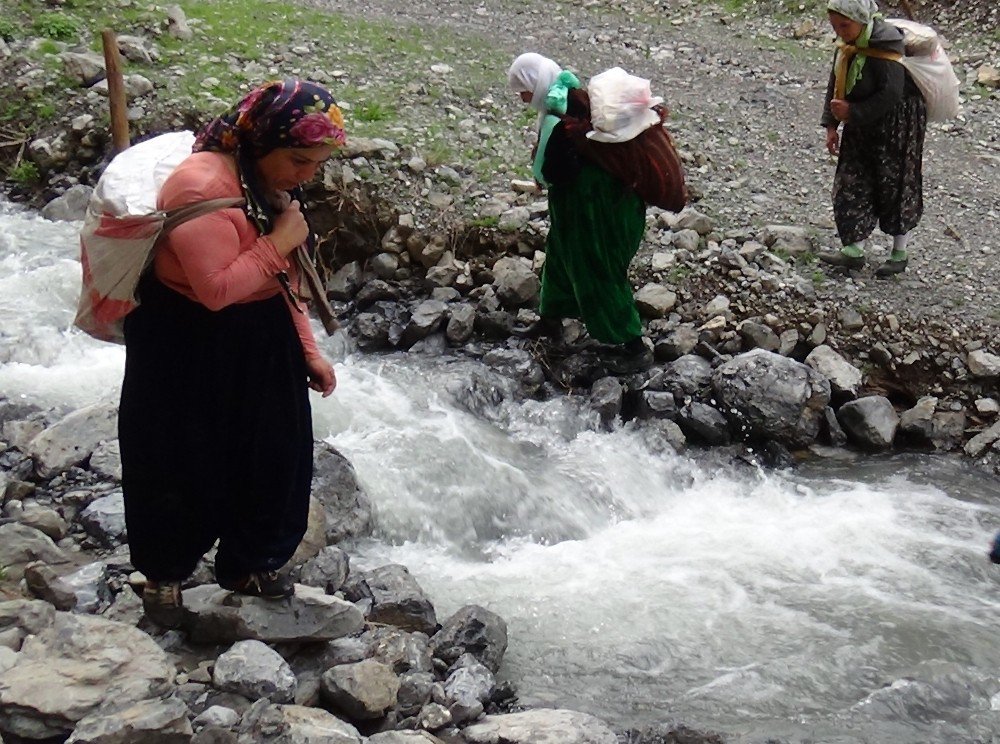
(180,215)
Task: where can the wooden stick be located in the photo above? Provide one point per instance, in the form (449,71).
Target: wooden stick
(116,91)
(908,9)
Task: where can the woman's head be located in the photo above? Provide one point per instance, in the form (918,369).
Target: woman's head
(530,76)
(282,113)
(287,127)
(849,17)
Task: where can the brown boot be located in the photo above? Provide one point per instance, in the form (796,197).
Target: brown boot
(163,603)
(266,584)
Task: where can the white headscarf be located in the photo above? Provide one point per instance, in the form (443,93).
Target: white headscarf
(533,73)
(861,11)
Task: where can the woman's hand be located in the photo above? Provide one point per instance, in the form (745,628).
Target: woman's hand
(832,141)
(322,378)
(290,229)
(840,109)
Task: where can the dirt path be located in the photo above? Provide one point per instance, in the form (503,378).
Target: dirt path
(745,95)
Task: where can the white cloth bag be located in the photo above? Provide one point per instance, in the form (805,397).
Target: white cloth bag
(929,66)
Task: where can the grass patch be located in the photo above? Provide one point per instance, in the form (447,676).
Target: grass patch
(372,112)
(679,274)
(485,221)
(24,173)
(56,25)
(237,44)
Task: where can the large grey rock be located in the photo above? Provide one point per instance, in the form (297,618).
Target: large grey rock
(704,423)
(461,323)
(315,538)
(294,724)
(516,282)
(214,615)
(468,688)
(362,691)
(85,68)
(473,630)
(104,519)
(687,375)
(255,671)
(844,377)
(396,598)
(73,438)
(328,570)
(72,668)
(982,364)
(655,300)
(541,726)
(769,396)
(21,545)
(869,422)
(349,511)
(426,318)
(71,206)
(975,447)
(400,650)
(606,397)
(157,721)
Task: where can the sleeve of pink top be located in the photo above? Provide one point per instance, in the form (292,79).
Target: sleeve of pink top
(208,249)
(302,325)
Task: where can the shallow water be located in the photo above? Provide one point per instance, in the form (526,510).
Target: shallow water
(844,601)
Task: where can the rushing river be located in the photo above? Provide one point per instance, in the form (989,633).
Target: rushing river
(844,601)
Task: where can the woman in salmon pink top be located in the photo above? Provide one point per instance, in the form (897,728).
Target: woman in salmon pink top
(215,424)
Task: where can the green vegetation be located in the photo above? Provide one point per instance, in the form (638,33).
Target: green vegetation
(485,222)
(54,25)
(678,274)
(438,153)
(818,278)
(373,111)
(8,31)
(369,64)
(25,172)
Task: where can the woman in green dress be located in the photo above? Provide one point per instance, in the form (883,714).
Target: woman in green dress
(597,221)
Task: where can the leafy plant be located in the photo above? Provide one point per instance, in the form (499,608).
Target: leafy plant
(24,172)
(438,153)
(55,26)
(7,30)
(489,221)
(818,278)
(374,111)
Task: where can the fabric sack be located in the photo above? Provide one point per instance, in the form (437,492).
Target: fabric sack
(627,138)
(928,65)
(122,227)
(648,164)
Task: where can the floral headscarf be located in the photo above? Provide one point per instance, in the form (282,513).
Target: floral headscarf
(282,113)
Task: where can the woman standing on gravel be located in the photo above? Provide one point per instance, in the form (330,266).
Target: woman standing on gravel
(879,170)
(214,423)
(597,222)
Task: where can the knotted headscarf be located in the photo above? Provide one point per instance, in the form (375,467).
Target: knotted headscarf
(849,63)
(281,113)
(533,73)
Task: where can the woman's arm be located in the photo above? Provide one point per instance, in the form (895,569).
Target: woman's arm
(219,272)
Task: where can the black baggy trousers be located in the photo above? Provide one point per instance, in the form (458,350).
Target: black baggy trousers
(215,431)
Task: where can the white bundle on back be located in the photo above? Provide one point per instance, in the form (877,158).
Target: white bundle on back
(929,67)
(132,180)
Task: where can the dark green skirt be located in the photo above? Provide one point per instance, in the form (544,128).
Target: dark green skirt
(597,224)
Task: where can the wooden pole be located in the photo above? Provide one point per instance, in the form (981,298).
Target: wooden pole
(908,9)
(116,91)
